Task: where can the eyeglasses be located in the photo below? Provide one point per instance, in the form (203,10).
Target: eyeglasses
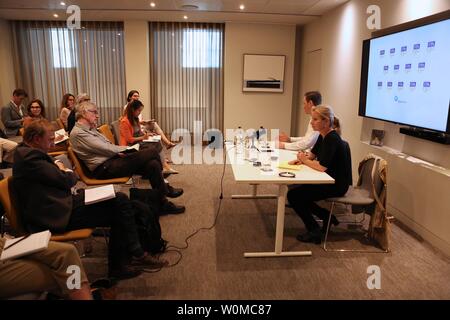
(93,111)
(33,107)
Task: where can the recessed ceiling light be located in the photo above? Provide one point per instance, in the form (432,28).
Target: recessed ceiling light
(242,7)
(55,15)
(62,3)
(152,4)
(185,17)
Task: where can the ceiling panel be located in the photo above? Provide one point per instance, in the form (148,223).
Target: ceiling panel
(324,6)
(271,11)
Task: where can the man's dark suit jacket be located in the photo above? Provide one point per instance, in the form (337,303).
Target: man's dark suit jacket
(43,190)
(12,119)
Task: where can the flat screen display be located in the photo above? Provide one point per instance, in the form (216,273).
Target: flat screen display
(405,77)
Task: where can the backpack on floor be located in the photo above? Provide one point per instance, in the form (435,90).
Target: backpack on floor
(148,227)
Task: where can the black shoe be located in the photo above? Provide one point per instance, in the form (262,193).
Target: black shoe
(310,237)
(334,221)
(125,272)
(174,192)
(171,208)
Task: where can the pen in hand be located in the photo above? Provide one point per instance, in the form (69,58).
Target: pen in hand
(13,244)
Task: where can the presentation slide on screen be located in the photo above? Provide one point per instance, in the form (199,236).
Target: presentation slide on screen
(409,77)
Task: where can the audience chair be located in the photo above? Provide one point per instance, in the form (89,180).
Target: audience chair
(106,131)
(363,198)
(115,125)
(8,202)
(82,172)
(60,124)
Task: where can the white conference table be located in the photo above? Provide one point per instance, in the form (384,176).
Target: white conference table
(246,173)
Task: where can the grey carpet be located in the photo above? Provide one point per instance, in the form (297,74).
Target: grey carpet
(213,267)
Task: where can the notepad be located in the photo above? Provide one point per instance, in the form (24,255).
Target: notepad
(133,148)
(61,136)
(286,165)
(99,194)
(156,138)
(33,243)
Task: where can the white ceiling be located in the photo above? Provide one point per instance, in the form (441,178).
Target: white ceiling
(267,11)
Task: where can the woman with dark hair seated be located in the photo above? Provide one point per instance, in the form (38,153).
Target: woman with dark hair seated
(67,105)
(329,155)
(36,110)
(152,125)
(131,132)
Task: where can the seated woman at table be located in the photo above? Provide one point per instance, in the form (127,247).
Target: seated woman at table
(329,155)
(131,133)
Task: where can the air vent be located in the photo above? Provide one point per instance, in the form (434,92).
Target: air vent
(189,7)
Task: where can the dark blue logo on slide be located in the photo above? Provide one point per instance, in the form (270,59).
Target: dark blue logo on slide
(401,84)
(427,84)
(398,100)
(431,44)
(412,84)
(397,67)
(392,50)
(382,52)
(386,68)
(417,46)
(404,48)
(422,65)
(380,84)
(408,66)
(390,84)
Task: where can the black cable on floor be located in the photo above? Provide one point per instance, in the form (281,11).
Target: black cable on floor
(218,209)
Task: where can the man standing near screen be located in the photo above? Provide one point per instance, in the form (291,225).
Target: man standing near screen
(311,99)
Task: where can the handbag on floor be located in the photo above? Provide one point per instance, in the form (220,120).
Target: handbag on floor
(148,227)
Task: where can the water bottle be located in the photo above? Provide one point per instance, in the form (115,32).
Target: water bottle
(262,137)
(239,140)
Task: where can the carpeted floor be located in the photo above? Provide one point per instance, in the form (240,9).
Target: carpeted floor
(213,266)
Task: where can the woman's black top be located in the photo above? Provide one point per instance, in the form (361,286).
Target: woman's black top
(334,154)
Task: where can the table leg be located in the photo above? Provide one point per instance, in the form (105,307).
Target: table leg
(282,191)
(254,194)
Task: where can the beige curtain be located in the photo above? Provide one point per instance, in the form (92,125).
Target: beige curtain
(51,60)
(186,70)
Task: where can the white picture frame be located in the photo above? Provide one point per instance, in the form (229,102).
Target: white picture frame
(263,73)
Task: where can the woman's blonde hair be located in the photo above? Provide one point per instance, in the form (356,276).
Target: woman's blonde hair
(326,112)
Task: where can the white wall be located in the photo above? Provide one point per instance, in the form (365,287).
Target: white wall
(418,194)
(7,79)
(253,109)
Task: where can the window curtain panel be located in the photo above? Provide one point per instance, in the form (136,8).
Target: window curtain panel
(51,60)
(186,75)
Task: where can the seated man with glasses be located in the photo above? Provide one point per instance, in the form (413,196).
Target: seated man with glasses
(45,201)
(106,160)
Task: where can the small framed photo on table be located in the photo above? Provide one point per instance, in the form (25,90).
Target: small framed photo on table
(377,138)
